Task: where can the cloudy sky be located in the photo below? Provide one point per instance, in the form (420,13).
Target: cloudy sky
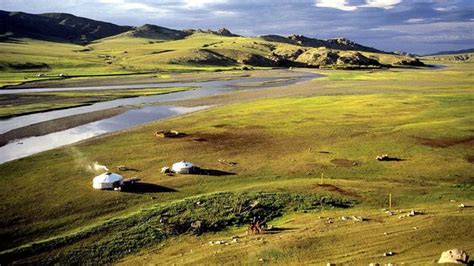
(417,26)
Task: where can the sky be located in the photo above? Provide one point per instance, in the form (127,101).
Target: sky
(415,26)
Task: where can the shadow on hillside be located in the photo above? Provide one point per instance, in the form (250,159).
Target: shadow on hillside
(213,172)
(277,230)
(140,187)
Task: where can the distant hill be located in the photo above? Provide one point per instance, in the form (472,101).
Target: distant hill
(465,51)
(337,43)
(149,46)
(69,28)
(56,27)
(156,32)
(221,32)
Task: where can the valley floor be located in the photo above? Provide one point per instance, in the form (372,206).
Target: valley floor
(281,139)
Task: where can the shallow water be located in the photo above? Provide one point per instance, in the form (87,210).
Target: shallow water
(203,89)
(141,114)
(28,146)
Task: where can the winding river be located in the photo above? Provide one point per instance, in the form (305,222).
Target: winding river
(142,111)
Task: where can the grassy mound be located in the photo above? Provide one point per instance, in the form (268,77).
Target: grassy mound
(106,242)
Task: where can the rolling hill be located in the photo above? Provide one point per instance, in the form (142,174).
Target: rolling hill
(56,27)
(55,43)
(464,51)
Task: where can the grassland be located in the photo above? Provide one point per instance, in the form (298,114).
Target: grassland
(122,55)
(22,61)
(282,140)
(34,102)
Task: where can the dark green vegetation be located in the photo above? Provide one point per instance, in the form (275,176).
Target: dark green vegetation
(83,48)
(27,103)
(128,234)
(282,139)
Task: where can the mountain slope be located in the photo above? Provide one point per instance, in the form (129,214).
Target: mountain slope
(48,45)
(337,43)
(464,51)
(156,32)
(57,27)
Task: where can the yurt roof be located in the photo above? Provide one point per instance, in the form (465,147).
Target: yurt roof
(108,178)
(182,164)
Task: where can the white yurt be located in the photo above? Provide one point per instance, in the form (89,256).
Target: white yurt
(107,181)
(183,167)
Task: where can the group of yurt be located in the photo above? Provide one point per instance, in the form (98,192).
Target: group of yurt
(113,181)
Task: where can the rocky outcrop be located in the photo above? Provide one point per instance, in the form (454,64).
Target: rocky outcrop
(322,57)
(156,32)
(409,61)
(203,57)
(225,32)
(221,32)
(337,43)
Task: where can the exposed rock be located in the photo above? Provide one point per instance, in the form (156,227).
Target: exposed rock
(258,60)
(203,57)
(455,255)
(408,61)
(323,57)
(337,43)
(221,32)
(225,32)
(318,57)
(156,32)
(355,59)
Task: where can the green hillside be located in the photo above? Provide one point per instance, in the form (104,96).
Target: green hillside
(24,59)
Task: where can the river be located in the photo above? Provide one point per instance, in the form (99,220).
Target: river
(142,111)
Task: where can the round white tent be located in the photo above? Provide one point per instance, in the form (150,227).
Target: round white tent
(107,181)
(182,167)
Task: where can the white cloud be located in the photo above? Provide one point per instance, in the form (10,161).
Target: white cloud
(222,13)
(199,4)
(385,4)
(414,20)
(126,5)
(445,9)
(338,4)
(345,6)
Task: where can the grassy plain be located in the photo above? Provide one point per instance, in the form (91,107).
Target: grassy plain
(282,141)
